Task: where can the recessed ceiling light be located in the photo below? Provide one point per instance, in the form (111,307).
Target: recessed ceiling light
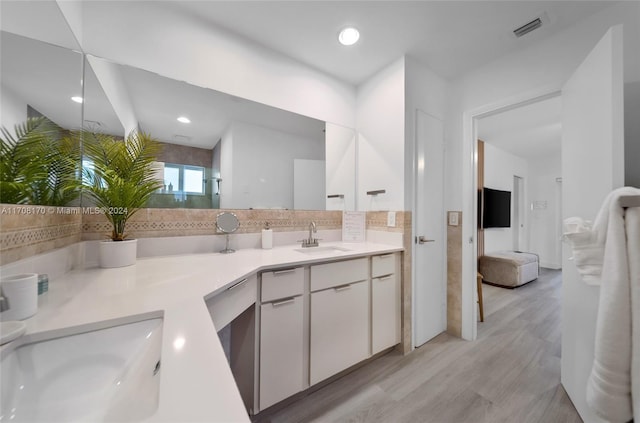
(184,119)
(77,99)
(348,36)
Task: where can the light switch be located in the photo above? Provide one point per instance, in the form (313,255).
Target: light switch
(453,218)
(391,219)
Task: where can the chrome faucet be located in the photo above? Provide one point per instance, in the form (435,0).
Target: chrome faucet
(311,241)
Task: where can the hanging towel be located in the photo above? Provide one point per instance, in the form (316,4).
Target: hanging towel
(632,221)
(609,385)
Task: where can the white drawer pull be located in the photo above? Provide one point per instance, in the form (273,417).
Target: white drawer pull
(283,302)
(284,271)
(235,285)
(385,278)
(342,288)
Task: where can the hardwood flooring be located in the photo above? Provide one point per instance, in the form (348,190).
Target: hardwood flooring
(511,373)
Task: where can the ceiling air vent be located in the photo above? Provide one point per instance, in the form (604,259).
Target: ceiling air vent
(527,28)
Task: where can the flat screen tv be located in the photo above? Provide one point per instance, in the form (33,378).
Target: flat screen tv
(497,209)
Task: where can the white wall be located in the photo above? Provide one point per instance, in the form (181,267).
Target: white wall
(110,77)
(380,118)
(40,20)
(186,48)
(261,171)
(500,167)
(544,236)
(632,133)
(426,91)
(542,68)
(340,153)
(13,110)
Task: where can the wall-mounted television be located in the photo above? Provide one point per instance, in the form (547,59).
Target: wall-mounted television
(496,211)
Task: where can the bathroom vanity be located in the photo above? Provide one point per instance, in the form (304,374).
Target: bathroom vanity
(289,328)
(303,317)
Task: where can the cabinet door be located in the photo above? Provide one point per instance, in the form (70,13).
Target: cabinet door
(339,329)
(385,313)
(227,305)
(281,350)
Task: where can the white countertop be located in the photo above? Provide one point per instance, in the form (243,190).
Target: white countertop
(196,382)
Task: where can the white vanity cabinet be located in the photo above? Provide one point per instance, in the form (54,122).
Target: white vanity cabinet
(339,318)
(308,323)
(385,302)
(282,335)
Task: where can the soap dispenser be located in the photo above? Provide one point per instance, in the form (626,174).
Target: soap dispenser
(267,237)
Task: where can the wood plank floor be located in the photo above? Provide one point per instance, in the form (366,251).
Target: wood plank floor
(511,373)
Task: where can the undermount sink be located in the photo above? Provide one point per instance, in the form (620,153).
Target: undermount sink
(322,250)
(109,374)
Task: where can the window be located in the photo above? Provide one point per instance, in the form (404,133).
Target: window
(184,178)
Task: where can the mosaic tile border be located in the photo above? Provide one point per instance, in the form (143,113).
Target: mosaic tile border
(21,238)
(149,223)
(29,230)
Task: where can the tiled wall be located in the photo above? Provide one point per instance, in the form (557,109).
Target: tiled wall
(150,223)
(454,277)
(29,230)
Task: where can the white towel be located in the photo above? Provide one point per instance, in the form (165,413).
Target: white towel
(609,385)
(588,241)
(632,221)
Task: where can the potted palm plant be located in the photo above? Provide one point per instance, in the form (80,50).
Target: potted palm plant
(120,179)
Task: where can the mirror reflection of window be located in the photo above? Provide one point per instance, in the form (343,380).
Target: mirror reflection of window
(193,179)
(171,177)
(184,178)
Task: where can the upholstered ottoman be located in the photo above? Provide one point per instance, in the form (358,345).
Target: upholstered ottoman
(509,268)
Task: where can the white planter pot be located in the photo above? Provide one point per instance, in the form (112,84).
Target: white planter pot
(118,253)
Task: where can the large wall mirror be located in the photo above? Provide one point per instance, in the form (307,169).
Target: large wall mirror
(221,151)
(41,93)
(232,153)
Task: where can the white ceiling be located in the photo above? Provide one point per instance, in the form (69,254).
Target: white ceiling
(450,37)
(158,101)
(530,131)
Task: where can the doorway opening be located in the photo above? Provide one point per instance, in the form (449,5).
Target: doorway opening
(521,160)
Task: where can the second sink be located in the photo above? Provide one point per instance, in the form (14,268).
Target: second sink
(322,250)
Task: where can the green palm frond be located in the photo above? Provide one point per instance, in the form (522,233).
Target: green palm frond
(122,178)
(38,165)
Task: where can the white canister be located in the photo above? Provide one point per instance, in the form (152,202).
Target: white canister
(20,293)
(267,237)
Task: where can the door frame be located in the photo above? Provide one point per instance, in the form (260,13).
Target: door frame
(470,199)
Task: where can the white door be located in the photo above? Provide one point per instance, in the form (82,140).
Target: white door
(308,184)
(428,256)
(592,165)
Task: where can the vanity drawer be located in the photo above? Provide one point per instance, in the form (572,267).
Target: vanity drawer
(282,283)
(383,265)
(328,275)
(230,303)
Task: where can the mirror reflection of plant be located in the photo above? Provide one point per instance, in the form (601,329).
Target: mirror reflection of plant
(39,164)
(122,177)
